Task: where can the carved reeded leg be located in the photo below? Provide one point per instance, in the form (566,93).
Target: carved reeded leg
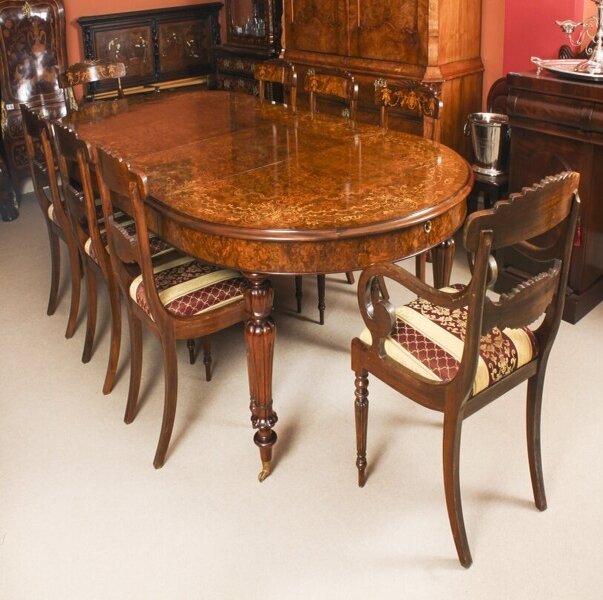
(91,287)
(320,282)
(114,299)
(260,332)
(170,372)
(298,292)
(55,265)
(135,366)
(207,357)
(451,450)
(361,408)
(190,344)
(350,277)
(534,404)
(443,256)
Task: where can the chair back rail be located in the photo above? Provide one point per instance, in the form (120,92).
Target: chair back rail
(117,179)
(91,71)
(334,83)
(277,71)
(73,158)
(40,151)
(525,215)
(413,96)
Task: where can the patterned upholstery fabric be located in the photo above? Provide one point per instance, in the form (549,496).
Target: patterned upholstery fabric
(127,225)
(188,287)
(429,340)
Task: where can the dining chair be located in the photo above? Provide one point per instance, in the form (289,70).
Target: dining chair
(277,71)
(332,83)
(335,84)
(455,349)
(420,99)
(42,162)
(91,71)
(177,299)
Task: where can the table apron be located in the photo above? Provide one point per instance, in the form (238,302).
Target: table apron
(308,257)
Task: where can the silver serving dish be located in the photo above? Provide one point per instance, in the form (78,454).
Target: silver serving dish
(566,67)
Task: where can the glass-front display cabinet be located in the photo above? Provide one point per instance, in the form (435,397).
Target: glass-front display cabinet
(253,35)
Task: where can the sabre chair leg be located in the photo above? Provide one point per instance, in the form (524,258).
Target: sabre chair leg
(298,292)
(91,291)
(135,365)
(534,405)
(114,299)
(361,411)
(170,370)
(55,264)
(421,266)
(74,267)
(320,282)
(350,277)
(192,355)
(207,360)
(451,452)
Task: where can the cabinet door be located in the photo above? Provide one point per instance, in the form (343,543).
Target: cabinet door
(317,26)
(387,30)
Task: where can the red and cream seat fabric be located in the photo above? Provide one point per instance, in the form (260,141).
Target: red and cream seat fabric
(187,287)
(429,340)
(157,245)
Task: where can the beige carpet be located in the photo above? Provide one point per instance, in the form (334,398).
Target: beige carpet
(83,514)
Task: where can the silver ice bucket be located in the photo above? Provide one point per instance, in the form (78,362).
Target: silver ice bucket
(490,134)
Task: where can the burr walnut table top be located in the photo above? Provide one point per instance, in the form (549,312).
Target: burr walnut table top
(253,186)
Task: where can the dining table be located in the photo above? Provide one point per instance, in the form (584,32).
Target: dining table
(255,187)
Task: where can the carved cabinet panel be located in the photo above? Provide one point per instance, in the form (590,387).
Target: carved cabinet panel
(387,30)
(319,26)
(32,54)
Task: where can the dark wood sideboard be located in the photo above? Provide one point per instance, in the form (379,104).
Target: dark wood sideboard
(558,124)
(159,47)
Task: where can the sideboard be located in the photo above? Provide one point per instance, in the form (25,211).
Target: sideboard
(557,124)
(159,46)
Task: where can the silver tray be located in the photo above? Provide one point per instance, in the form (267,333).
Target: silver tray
(566,68)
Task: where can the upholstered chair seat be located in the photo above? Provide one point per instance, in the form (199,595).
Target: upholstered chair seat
(158,246)
(189,287)
(429,340)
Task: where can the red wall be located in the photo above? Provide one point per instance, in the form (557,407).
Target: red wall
(530,30)
(74,9)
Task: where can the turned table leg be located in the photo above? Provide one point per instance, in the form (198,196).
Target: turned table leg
(443,256)
(260,332)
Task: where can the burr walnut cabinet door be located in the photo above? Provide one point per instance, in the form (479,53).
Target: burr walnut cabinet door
(387,30)
(319,26)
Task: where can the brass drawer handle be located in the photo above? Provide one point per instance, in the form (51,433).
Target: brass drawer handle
(427,226)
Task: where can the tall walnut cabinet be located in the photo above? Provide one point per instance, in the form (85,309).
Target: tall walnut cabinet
(435,41)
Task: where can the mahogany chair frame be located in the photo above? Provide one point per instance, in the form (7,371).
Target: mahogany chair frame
(280,71)
(127,189)
(41,155)
(551,206)
(339,84)
(73,157)
(423,99)
(333,83)
(90,71)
